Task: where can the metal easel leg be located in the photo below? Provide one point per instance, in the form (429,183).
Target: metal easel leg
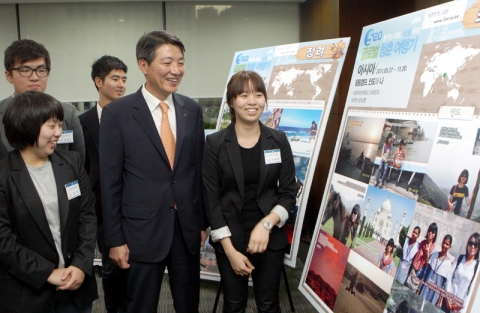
(219,291)
(292,308)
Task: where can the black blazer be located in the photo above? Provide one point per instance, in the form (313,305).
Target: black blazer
(139,188)
(223,182)
(91,133)
(27,250)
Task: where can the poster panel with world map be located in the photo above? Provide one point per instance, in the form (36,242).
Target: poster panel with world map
(399,223)
(300,80)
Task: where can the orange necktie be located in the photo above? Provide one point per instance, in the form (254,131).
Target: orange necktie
(168,139)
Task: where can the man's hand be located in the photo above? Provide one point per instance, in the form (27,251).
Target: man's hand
(258,239)
(55,277)
(120,255)
(203,237)
(73,276)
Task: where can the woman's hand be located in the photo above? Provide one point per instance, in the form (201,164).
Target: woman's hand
(240,263)
(258,239)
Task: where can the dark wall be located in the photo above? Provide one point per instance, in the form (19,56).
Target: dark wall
(324,19)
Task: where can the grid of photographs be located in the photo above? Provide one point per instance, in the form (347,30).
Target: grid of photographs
(400,230)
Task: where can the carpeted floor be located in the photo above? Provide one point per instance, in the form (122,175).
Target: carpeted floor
(208,292)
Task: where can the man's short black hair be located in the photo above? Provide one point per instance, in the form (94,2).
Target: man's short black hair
(25,116)
(24,50)
(103,66)
(148,44)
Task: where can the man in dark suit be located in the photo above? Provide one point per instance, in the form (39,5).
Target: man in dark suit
(110,77)
(27,65)
(151,145)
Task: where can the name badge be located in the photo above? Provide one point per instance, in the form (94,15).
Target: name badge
(273,156)
(66,137)
(73,190)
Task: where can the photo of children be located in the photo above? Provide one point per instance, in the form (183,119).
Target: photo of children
(384,216)
(359,147)
(363,289)
(402,156)
(445,264)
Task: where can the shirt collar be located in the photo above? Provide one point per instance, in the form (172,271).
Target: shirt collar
(153,102)
(99,111)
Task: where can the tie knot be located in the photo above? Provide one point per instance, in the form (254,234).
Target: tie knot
(164,107)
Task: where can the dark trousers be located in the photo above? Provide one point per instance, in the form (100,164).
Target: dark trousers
(114,279)
(145,279)
(266,282)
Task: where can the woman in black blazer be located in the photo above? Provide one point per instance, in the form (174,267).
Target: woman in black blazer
(47,215)
(249,188)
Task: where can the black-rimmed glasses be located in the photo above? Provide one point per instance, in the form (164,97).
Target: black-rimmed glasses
(27,71)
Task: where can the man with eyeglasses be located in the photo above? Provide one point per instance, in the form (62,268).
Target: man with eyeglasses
(27,66)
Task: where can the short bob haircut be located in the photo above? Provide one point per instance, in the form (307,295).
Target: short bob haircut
(463,173)
(22,51)
(241,82)
(25,116)
(433,228)
(147,45)
(475,236)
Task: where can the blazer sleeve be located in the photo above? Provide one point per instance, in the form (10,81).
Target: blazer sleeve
(74,124)
(87,230)
(287,187)
(200,144)
(111,173)
(211,185)
(23,263)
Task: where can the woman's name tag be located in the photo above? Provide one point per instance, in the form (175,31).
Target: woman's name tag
(273,156)
(73,190)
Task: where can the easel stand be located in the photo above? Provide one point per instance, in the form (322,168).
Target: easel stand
(287,287)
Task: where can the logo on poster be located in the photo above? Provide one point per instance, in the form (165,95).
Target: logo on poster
(372,36)
(242,58)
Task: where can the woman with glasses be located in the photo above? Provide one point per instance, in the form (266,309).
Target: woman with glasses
(385,261)
(249,188)
(419,264)
(47,215)
(410,249)
(464,268)
(438,269)
(458,193)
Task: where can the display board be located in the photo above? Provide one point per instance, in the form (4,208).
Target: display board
(301,80)
(399,224)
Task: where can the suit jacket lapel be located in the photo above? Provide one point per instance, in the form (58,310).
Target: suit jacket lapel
(29,195)
(93,126)
(143,116)
(265,144)
(233,151)
(62,177)
(181,115)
